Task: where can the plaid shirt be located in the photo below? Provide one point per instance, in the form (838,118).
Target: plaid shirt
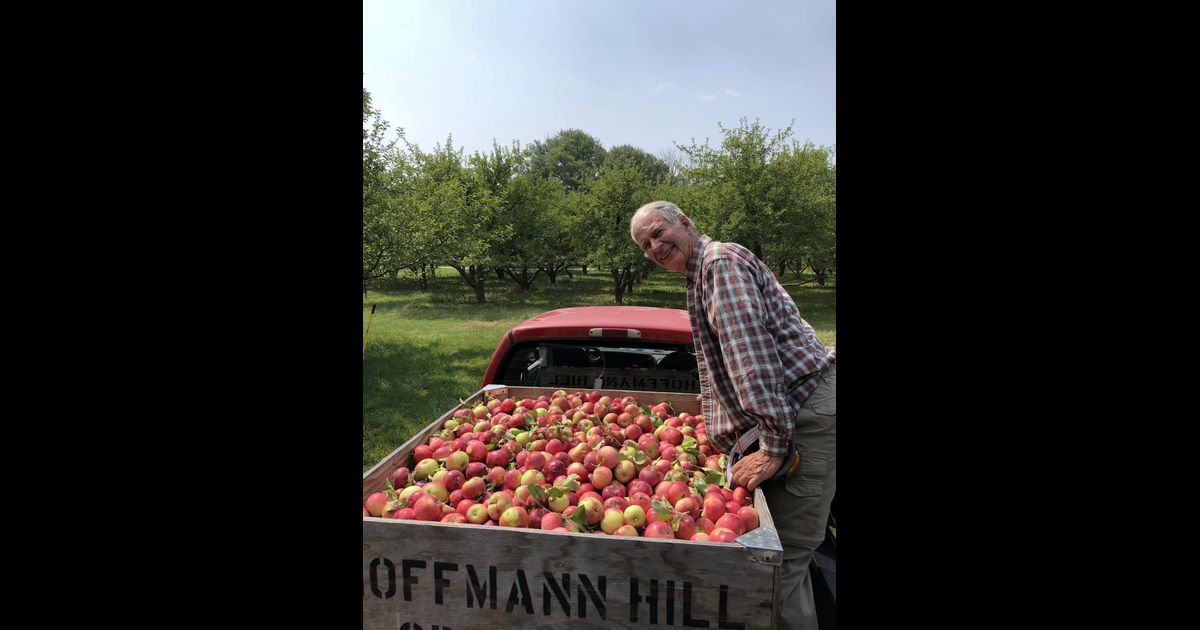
(753,348)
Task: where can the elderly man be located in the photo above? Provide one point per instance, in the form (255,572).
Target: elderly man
(767,386)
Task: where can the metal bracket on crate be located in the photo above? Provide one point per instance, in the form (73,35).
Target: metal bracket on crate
(496,390)
(763,544)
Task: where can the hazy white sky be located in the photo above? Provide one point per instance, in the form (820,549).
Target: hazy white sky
(648,73)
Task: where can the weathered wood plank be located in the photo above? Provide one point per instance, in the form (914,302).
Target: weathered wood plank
(595,581)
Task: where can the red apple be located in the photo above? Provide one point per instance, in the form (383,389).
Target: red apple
(514,517)
(601,476)
(376,503)
(400,478)
(477,514)
(748,516)
(427,508)
(659,529)
(714,507)
(473,488)
(551,521)
(688,505)
(722,535)
(611,520)
(476,469)
(497,504)
(732,522)
(687,527)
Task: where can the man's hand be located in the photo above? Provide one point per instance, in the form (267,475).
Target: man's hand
(756,468)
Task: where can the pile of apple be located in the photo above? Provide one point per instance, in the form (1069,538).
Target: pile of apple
(581,462)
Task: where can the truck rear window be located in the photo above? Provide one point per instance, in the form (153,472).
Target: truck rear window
(585,365)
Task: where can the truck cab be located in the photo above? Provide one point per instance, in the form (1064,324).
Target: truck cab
(599,347)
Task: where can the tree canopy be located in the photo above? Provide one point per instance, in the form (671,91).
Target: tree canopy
(517,213)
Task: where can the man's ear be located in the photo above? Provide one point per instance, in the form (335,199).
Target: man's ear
(684,221)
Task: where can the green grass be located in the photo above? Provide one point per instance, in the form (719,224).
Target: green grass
(426,350)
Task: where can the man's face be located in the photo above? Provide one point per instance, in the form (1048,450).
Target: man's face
(669,246)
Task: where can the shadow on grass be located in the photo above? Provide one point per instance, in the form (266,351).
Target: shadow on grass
(450,298)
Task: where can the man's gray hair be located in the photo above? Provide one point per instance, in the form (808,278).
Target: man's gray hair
(664,209)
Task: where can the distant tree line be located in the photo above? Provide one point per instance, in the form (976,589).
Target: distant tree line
(521,213)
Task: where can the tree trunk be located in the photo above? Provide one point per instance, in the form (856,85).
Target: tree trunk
(583,269)
(622,282)
(523,279)
(553,269)
(820,276)
(422,280)
(474,276)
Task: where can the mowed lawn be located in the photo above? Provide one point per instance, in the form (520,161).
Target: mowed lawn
(427,350)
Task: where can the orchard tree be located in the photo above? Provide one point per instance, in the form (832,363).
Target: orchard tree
(653,169)
(532,207)
(613,197)
(737,179)
(460,213)
(383,209)
(572,157)
(805,185)
(568,219)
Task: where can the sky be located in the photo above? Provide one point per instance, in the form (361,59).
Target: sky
(649,73)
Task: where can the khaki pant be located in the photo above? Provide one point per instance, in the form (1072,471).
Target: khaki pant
(800,504)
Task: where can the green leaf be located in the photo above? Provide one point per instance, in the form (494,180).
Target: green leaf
(537,493)
(580,519)
(712,475)
(661,507)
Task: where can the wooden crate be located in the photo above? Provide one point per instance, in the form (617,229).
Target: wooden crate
(420,575)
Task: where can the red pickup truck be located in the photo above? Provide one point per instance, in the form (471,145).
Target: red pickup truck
(629,348)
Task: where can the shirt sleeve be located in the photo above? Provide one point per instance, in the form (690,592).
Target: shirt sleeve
(737,313)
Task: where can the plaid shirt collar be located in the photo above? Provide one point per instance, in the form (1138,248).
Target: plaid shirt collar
(693,266)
